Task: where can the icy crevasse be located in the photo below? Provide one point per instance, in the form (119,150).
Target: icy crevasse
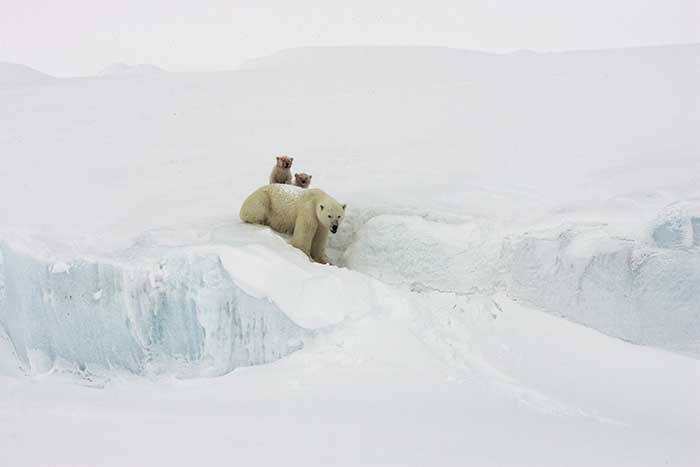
(181,314)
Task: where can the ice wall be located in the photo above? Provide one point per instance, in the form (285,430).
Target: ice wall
(620,287)
(180,313)
(639,291)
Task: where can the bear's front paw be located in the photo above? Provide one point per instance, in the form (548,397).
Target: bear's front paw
(323,260)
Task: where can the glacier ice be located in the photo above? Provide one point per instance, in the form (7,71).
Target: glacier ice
(180,313)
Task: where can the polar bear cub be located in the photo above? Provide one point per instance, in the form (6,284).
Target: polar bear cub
(308,215)
(281,172)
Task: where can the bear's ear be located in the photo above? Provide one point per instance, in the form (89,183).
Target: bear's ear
(321,206)
(344,205)
(291,159)
(310,176)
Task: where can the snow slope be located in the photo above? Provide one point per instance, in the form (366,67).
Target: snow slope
(16,74)
(490,197)
(498,395)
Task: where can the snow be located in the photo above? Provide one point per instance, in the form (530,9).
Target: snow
(16,74)
(125,69)
(678,226)
(351,398)
(291,189)
(519,263)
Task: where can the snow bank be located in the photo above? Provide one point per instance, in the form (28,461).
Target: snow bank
(622,287)
(617,286)
(181,314)
(401,249)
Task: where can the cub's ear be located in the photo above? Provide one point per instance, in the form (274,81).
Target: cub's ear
(321,206)
(278,158)
(291,159)
(310,177)
(296,175)
(344,205)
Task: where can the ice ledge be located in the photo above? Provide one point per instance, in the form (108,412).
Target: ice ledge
(625,288)
(182,314)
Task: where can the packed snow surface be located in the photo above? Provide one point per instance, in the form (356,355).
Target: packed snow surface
(516,281)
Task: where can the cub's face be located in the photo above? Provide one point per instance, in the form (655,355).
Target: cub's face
(330,215)
(284,162)
(303,180)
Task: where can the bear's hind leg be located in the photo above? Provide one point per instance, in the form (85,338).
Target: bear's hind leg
(256,208)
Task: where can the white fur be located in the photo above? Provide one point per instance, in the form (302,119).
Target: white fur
(306,214)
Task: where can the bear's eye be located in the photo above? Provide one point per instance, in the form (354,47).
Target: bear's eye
(329,216)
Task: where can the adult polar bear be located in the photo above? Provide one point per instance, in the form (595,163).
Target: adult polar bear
(306,214)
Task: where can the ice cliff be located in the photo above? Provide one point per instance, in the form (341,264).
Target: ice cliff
(181,313)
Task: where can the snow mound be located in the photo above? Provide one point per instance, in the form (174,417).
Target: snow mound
(125,69)
(424,253)
(14,73)
(182,314)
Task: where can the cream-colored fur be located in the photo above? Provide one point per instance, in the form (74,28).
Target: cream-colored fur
(308,215)
(281,172)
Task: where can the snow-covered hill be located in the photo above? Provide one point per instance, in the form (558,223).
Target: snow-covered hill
(489,196)
(16,74)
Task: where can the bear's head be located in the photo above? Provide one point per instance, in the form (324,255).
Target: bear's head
(284,162)
(330,213)
(302,179)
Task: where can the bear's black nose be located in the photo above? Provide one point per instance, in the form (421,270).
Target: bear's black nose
(334,229)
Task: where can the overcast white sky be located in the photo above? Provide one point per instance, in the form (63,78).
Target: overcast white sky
(79,37)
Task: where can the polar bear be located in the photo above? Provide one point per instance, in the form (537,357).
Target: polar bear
(308,215)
